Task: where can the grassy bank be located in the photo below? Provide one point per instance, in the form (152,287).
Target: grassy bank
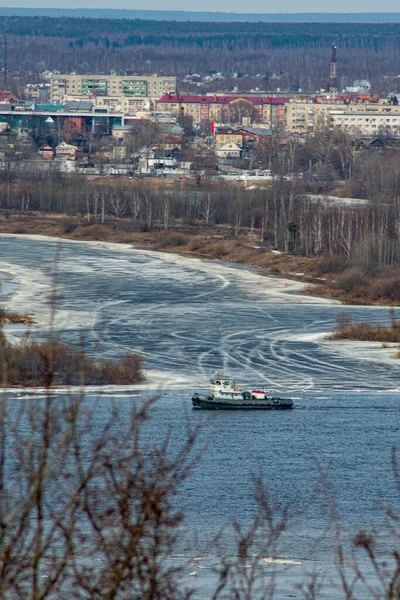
(366,332)
(331,276)
(213,242)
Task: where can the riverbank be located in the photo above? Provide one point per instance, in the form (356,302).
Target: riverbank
(203,242)
(115,279)
(331,277)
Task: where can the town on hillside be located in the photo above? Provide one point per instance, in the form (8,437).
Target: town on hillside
(147,126)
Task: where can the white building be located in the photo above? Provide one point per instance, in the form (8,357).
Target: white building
(139,89)
(228,150)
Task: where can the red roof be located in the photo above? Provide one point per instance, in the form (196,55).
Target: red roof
(6,95)
(194,99)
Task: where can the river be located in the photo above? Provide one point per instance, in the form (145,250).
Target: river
(189,317)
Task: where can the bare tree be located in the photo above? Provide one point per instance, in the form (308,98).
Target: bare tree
(87,507)
(117,204)
(207,207)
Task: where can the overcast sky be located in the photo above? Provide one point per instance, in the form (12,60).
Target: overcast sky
(257,6)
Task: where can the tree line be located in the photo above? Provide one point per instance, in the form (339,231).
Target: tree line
(288,215)
(295,54)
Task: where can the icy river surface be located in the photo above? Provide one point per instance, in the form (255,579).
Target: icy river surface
(189,317)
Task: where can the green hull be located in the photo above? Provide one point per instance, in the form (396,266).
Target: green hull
(272,404)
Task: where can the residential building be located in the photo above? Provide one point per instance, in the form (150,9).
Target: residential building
(7,97)
(365,118)
(369,123)
(47,152)
(228,150)
(125,104)
(135,87)
(226,109)
(228,134)
(254,134)
(37,92)
(66,151)
(121,132)
(302,117)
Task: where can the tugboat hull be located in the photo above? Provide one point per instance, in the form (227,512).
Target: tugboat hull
(207,402)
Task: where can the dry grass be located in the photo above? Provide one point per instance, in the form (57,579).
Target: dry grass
(367,332)
(8,318)
(218,250)
(170,239)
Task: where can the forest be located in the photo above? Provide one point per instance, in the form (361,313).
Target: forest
(288,56)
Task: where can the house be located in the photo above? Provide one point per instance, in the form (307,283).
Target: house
(81,157)
(8,98)
(254,134)
(377,144)
(228,134)
(171,142)
(228,150)
(66,151)
(145,152)
(121,132)
(47,152)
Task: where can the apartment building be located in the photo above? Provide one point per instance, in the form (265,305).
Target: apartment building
(371,121)
(128,86)
(124,104)
(227,134)
(227,109)
(360,118)
(301,117)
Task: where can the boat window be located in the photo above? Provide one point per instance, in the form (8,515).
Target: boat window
(218,383)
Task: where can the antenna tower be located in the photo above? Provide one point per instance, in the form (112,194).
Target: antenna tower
(333,75)
(5,73)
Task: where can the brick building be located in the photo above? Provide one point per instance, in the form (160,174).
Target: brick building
(227,109)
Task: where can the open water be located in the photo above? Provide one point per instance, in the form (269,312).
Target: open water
(188,318)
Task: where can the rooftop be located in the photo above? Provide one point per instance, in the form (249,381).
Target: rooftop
(217,99)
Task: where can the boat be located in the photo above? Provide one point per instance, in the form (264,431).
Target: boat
(225,393)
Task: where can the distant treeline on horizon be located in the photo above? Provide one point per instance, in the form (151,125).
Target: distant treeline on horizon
(170,15)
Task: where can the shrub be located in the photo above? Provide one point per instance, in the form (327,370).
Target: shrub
(123,372)
(56,363)
(388,289)
(195,243)
(332,264)
(68,226)
(352,280)
(170,238)
(94,232)
(218,250)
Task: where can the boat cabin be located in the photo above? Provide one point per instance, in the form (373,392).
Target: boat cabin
(222,382)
